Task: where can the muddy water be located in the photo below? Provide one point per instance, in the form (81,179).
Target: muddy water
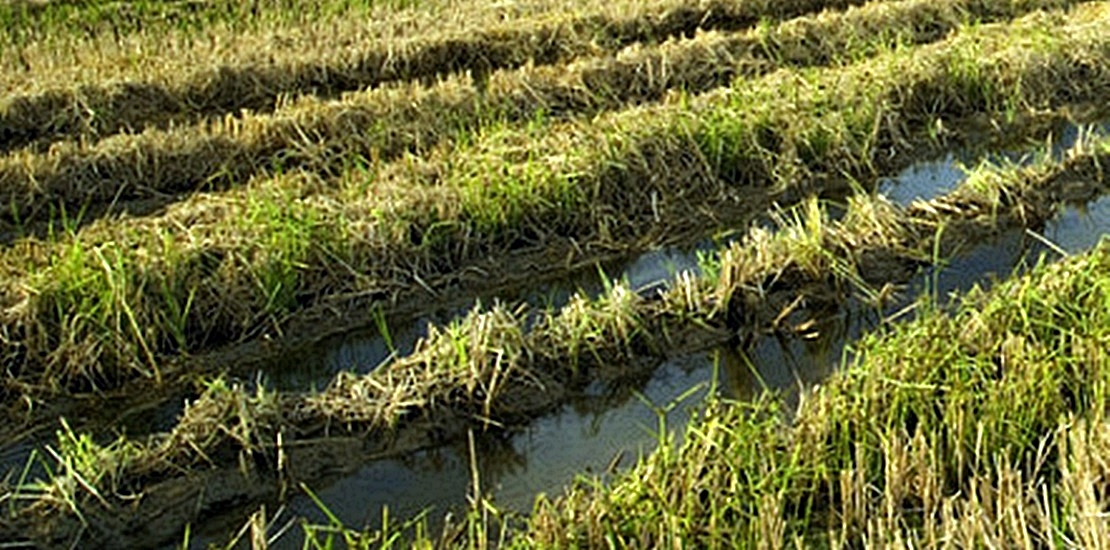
(928,179)
(361,351)
(1079,227)
(603,430)
(364,350)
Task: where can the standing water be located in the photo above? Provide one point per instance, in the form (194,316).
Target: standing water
(607,427)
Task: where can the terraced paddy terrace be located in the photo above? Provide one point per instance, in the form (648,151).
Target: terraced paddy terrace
(448,273)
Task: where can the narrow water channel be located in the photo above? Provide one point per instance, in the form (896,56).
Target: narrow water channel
(606,428)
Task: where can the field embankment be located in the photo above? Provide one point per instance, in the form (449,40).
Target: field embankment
(326,136)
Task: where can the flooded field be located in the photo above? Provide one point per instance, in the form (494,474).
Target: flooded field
(605,427)
(550,274)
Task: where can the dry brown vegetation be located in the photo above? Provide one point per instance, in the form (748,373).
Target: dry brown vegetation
(344,57)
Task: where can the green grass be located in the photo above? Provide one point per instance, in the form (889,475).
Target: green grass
(489,366)
(977,427)
(985,425)
(27,22)
(430,216)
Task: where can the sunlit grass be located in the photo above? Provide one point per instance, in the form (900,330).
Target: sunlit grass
(600,183)
(982,426)
(495,366)
(977,424)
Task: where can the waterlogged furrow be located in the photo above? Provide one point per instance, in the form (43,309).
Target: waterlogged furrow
(108,305)
(873,244)
(983,427)
(221,88)
(325,136)
(487,369)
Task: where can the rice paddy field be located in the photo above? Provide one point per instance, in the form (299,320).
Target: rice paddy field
(539,273)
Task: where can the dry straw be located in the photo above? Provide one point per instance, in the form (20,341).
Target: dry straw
(182,94)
